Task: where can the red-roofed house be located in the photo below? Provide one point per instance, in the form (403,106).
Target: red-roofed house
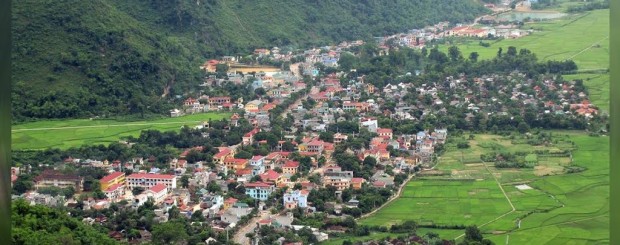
(356,183)
(243,172)
(236,163)
(157,192)
(112,179)
(248,138)
(115,192)
(379,184)
(290,167)
(223,154)
(385,132)
(271,176)
(229,202)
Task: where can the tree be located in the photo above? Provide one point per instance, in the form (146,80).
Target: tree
(454,53)
(197,216)
(472,233)
(213,187)
(137,190)
(473,56)
(370,162)
(184,181)
(523,127)
(512,51)
(499,52)
(171,232)
(327,137)
(462,145)
(193,156)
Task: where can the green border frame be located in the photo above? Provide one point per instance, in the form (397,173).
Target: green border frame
(614,168)
(5,121)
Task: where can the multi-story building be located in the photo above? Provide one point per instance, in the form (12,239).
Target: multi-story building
(115,191)
(339,138)
(385,133)
(147,181)
(158,192)
(259,190)
(339,182)
(235,163)
(112,179)
(290,167)
(294,199)
(219,100)
(52,178)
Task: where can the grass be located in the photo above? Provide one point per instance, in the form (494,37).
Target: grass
(560,209)
(64,134)
(569,31)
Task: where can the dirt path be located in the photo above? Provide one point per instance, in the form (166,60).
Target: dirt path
(589,47)
(505,195)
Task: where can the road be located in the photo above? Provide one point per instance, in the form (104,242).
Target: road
(240,237)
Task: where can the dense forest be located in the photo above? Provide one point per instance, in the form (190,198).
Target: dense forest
(106,58)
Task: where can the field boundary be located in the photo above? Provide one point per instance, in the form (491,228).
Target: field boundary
(505,195)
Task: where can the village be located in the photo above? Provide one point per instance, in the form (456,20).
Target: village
(327,117)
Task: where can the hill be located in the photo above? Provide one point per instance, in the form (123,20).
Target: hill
(76,59)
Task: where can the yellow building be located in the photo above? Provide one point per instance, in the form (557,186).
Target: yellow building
(253,106)
(112,179)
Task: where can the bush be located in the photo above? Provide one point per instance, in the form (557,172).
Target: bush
(462,145)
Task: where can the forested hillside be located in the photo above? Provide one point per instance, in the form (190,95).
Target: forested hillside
(120,57)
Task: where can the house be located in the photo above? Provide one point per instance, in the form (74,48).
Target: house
(234,164)
(150,180)
(229,202)
(290,167)
(223,154)
(385,132)
(315,146)
(248,138)
(175,113)
(53,178)
(271,176)
(259,190)
(370,123)
(356,183)
(112,179)
(253,106)
(157,192)
(115,191)
(297,198)
(339,138)
(219,100)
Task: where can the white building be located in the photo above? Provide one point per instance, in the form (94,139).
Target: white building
(149,180)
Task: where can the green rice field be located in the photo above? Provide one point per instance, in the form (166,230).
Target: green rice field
(559,208)
(64,134)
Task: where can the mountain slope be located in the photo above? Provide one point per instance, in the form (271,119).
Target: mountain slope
(117,57)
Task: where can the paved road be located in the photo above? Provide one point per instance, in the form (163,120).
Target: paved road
(248,228)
